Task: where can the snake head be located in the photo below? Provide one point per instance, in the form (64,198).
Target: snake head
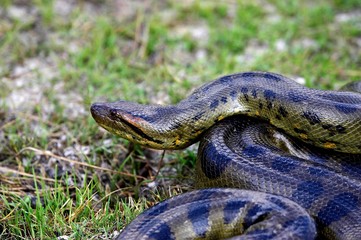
(135,122)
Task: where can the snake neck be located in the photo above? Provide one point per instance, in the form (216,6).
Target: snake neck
(160,127)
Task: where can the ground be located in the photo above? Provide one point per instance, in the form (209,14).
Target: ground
(64,177)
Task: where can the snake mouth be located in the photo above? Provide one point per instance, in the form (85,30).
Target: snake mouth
(122,123)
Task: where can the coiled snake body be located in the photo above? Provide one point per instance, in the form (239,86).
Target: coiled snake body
(317,164)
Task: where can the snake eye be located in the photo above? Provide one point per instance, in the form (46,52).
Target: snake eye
(113,112)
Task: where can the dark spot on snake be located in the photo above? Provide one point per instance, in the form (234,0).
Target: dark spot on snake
(205,194)
(340,129)
(331,133)
(233,94)
(248,75)
(307,192)
(214,104)
(218,193)
(333,130)
(345,108)
(169,109)
(311,117)
(205,88)
(269,105)
(283,111)
(271,76)
(163,232)
(244,90)
(254,93)
(232,209)
(213,162)
(224,99)
(278,117)
(337,208)
(253,151)
(198,116)
(326,126)
(175,125)
(198,215)
(246,97)
(226,79)
(260,105)
(277,201)
(296,97)
(283,164)
(269,95)
(159,113)
(298,130)
(157,209)
(202,129)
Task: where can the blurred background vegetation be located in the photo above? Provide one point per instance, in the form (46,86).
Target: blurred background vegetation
(61,176)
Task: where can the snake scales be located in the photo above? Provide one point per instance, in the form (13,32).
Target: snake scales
(242,121)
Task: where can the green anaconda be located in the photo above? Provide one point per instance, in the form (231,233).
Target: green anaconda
(259,131)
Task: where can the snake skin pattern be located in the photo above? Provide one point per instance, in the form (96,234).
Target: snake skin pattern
(250,154)
(231,212)
(320,170)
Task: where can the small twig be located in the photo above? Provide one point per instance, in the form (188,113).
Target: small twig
(80,208)
(9,170)
(107,195)
(7,124)
(160,163)
(353,73)
(6,218)
(50,154)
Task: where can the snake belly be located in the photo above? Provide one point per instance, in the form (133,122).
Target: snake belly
(324,182)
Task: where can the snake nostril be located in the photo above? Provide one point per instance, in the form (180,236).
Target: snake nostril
(94,108)
(98,110)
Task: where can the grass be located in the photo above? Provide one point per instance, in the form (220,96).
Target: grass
(63,176)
